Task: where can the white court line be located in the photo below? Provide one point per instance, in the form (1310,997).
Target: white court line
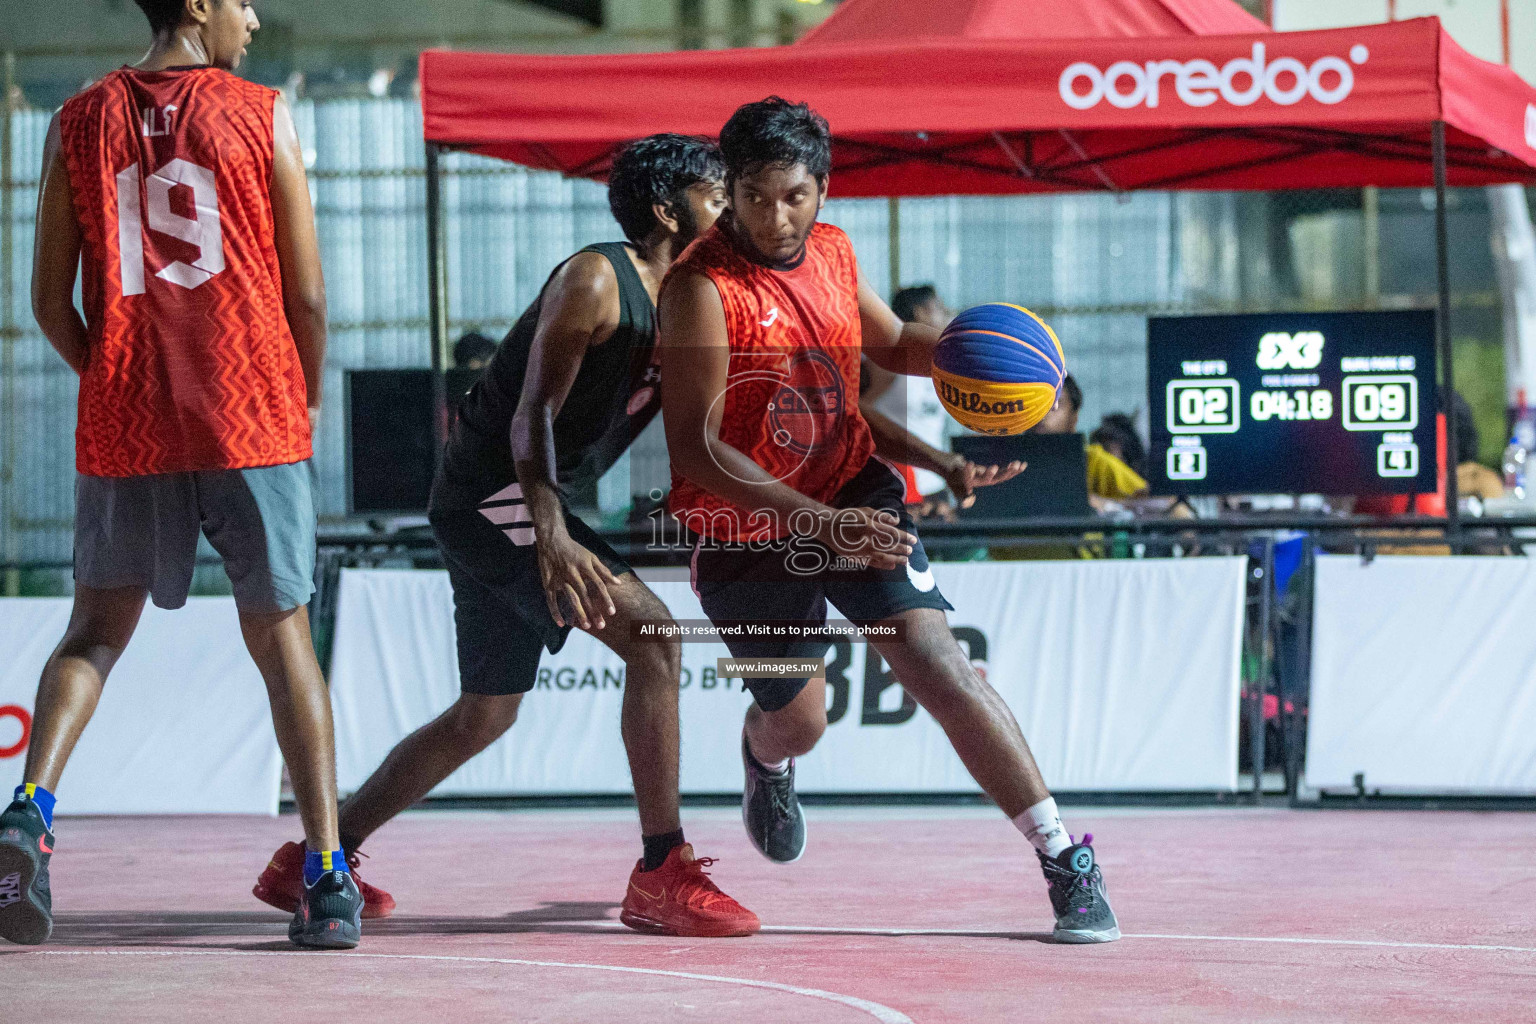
(884,1014)
(1339,942)
(984,933)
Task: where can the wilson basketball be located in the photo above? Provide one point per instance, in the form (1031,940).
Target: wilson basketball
(997,368)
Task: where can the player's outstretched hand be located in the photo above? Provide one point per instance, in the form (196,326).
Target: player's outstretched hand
(575,582)
(869,534)
(964,476)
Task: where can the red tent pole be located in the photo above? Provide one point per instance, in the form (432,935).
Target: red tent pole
(1391,10)
(1269,13)
(437,299)
(1443,325)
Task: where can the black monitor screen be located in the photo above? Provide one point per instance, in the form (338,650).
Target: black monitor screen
(391,450)
(1293,403)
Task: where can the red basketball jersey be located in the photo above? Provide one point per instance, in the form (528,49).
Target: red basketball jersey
(792,395)
(191,363)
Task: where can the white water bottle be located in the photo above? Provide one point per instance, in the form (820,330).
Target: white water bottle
(1514,469)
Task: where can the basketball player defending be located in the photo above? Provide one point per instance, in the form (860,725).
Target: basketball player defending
(762,326)
(565,394)
(180,191)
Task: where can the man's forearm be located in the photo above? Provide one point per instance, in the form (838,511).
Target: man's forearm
(912,353)
(312,361)
(917,344)
(66,332)
(306,322)
(533,457)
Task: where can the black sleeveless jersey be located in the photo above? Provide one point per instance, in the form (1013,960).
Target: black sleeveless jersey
(616,393)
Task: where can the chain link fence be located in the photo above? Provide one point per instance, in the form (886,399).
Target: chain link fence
(1095,266)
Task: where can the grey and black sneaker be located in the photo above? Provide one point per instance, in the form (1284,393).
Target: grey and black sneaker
(1078,896)
(770,809)
(330,915)
(26,903)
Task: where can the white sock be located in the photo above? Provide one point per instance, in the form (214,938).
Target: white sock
(1041,825)
(776,767)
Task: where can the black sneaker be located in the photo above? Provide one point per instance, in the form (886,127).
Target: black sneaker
(1078,896)
(331,914)
(770,809)
(26,846)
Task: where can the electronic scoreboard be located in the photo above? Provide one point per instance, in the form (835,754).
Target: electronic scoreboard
(1293,403)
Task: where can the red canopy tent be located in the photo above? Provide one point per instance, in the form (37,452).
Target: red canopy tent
(962,114)
(868,20)
(986,97)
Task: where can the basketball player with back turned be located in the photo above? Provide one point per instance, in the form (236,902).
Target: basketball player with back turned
(179,191)
(762,325)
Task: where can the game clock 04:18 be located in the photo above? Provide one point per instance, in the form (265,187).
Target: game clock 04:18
(1293,403)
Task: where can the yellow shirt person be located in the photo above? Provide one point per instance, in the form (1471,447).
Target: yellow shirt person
(1109,477)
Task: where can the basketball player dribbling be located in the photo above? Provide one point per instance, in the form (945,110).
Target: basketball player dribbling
(762,325)
(179,189)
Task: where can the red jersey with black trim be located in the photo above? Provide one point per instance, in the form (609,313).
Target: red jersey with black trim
(792,393)
(191,363)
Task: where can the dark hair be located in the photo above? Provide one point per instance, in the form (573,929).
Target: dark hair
(473,345)
(163,15)
(1119,429)
(908,301)
(657,169)
(776,131)
(1072,393)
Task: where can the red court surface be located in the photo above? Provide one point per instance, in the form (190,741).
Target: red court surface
(894,915)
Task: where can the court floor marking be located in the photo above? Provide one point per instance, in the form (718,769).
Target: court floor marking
(987,933)
(1339,942)
(880,1012)
(1284,940)
(811,929)
(959,933)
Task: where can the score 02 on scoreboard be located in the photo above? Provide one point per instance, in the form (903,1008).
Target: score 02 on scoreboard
(1293,403)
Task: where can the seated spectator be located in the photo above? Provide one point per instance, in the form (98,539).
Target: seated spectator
(473,351)
(1117,435)
(1109,477)
(1473,479)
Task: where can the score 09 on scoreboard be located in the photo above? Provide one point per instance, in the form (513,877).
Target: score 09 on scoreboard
(1293,403)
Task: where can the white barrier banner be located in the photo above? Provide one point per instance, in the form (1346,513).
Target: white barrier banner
(1424,675)
(1123,674)
(183,725)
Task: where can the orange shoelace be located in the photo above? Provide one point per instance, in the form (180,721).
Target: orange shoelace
(698,890)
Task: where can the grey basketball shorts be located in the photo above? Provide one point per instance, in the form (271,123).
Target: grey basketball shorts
(141,531)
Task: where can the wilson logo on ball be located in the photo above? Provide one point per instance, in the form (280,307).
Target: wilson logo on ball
(971,401)
(997,368)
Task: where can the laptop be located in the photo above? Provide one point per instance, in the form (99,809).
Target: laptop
(1054,485)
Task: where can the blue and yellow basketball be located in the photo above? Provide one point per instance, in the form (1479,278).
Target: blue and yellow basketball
(997,368)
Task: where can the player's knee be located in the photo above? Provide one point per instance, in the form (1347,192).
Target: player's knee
(655,663)
(99,641)
(796,731)
(474,724)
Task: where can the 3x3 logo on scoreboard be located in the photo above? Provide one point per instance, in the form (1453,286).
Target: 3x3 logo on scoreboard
(1293,403)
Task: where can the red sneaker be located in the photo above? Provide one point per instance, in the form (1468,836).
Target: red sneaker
(679,899)
(281,885)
